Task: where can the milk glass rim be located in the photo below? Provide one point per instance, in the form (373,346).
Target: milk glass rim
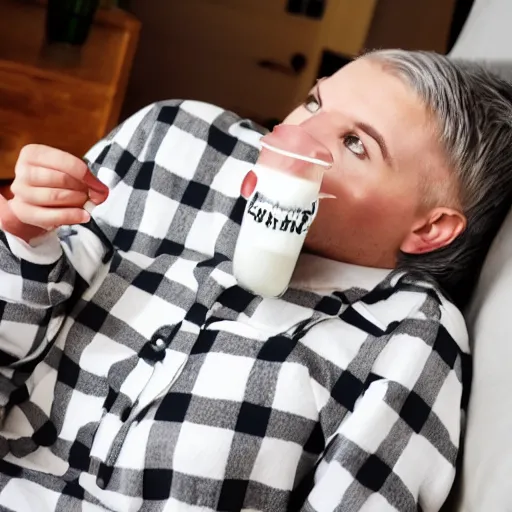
(297,156)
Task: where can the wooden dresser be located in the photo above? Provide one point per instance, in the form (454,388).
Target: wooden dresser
(60,97)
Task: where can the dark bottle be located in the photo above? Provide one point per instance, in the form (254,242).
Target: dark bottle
(69,21)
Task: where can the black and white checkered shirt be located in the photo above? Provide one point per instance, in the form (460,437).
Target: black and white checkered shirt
(136,375)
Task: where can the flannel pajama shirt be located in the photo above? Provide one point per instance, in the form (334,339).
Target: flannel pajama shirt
(136,376)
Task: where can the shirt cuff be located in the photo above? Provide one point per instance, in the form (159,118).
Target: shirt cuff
(43,250)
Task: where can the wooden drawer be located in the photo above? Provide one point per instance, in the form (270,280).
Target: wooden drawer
(254,92)
(243,57)
(237,54)
(37,110)
(252,7)
(39,97)
(52,95)
(347,21)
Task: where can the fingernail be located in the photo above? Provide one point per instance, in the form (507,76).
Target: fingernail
(326,196)
(85,217)
(97,197)
(89,207)
(94,183)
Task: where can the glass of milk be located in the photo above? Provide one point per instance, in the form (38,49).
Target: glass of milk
(280,210)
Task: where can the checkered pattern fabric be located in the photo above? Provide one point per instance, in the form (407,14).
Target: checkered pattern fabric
(137,376)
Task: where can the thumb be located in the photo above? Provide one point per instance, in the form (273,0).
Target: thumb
(98,192)
(11,224)
(248,184)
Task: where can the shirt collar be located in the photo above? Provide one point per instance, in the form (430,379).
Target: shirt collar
(317,274)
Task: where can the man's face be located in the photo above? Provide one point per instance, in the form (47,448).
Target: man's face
(384,147)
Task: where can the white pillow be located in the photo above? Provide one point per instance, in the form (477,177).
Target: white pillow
(486,35)
(487,467)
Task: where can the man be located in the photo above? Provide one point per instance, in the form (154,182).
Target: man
(136,375)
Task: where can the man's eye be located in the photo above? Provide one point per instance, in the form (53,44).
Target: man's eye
(312,104)
(354,144)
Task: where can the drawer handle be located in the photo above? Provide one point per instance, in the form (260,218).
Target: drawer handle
(298,63)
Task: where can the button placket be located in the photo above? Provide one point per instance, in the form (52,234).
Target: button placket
(162,377)
(160,344)
(116,419)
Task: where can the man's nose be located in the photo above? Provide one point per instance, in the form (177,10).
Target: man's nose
(320,126)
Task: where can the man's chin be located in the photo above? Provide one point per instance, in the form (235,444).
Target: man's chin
(318,247)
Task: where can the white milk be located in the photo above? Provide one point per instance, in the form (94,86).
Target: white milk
(274,227)
(269,276)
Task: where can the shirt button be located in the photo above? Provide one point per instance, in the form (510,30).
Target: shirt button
(159,344)
(125,414)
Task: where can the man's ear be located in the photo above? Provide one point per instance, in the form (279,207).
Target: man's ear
(439,228)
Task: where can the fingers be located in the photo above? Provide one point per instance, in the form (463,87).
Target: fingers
(50,190)
(95,184)
(98,197)
(47,218)
(51,197)
(34,157)
(249,184)
(11,224)
(6,216)
(37,176)
(44,156)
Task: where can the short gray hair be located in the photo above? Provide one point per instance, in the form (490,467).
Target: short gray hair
(473,108)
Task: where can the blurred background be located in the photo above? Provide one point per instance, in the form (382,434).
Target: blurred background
(70,70)
(260,57)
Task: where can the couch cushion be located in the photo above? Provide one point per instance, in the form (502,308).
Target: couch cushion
(487,465)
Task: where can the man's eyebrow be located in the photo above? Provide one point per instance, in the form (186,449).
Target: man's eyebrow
(378,138)
(365,127)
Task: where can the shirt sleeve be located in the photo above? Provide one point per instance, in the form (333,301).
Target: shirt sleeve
(398,449)
(37,280)
(37,283)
